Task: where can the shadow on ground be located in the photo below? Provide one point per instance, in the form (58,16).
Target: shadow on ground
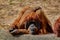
(5,35)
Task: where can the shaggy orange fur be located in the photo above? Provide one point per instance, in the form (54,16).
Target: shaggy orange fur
(36,14)
(57,27)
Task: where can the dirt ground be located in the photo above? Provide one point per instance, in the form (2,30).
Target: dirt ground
(9,10)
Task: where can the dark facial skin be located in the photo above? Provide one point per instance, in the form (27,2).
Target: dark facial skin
(32,29)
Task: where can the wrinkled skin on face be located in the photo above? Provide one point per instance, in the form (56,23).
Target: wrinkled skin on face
(32,29)
(31,21)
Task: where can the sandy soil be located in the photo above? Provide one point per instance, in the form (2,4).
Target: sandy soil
(9,10)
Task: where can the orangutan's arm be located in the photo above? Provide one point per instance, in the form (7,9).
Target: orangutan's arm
(19,17)
(23,31)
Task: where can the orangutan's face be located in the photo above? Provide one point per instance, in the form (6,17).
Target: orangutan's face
(32,29)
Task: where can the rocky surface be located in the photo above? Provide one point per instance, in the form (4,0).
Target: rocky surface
(9,10)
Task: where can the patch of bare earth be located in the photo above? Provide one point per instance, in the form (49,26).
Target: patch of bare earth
(9,10)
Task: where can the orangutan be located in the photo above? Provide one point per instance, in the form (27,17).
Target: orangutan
(57,27)
(31,21)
